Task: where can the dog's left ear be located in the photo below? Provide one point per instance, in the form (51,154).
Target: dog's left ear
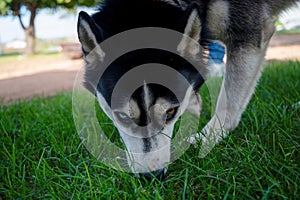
(189,44)
(90,35)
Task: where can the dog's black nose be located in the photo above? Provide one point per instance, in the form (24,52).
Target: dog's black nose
(158,174)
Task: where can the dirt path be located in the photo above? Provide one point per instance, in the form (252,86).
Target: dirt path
(23,80)
(26,79)
(41,84)
(284,47)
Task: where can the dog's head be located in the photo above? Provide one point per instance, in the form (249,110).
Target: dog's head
(143,111)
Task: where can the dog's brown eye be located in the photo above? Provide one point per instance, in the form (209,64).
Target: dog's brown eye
(171,113)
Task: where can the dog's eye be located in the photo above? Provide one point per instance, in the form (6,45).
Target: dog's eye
(122,117)
(171,113)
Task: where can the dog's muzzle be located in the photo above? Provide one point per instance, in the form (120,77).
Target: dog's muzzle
(158,174)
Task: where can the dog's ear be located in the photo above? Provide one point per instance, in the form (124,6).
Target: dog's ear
(90,35)
(189,44)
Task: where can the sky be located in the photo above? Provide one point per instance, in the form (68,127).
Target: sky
(51,25)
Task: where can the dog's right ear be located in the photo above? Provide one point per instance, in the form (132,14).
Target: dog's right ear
(189,43)
(90,35)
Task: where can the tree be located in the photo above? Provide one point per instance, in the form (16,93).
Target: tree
(15,8)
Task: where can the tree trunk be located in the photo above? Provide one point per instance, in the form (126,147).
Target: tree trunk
(29,31)
(30,40)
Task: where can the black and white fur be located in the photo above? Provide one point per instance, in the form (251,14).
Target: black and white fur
(245,27)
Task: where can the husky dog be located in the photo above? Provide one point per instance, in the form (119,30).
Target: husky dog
(245,27)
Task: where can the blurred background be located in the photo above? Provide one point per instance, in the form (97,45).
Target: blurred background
(40,53)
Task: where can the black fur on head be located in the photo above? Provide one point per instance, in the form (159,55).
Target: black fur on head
(143,56)
(116,16)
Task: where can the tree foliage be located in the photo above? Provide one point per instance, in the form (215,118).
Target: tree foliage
(12,7)
(16,7)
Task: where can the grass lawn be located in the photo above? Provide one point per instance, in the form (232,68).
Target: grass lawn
(17,57)
(43,157)
(284,32)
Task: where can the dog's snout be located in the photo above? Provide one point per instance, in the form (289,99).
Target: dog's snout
(158,174)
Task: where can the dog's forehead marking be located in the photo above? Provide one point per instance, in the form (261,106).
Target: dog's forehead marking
(133,109)
(146,96)
(162,105)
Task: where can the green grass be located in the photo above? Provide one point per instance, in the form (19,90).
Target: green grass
(287,32)
(16,57)
(9,57)
(42,156)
